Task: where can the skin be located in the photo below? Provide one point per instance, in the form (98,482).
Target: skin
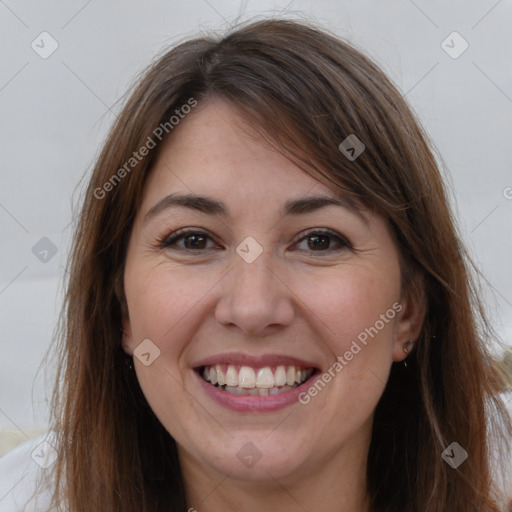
(292,300)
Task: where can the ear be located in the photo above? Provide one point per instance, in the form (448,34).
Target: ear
(410,318)
(127,338)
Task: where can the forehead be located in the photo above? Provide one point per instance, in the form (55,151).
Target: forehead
(215,149)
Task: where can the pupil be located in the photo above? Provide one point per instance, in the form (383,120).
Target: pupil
(197,241)
(319,242)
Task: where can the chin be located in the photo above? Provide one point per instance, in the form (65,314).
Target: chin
(254,458)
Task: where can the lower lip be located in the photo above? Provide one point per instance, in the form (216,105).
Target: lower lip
(243,403)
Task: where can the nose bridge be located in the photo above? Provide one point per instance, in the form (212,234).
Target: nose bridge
(253,297)
(256,277)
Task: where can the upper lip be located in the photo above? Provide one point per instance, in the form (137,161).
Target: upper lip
(259,361)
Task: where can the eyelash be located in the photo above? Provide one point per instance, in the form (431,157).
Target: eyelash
(170,240)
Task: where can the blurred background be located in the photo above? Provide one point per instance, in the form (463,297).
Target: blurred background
(66,65)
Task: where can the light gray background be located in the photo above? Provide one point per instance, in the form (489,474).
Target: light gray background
(55,112)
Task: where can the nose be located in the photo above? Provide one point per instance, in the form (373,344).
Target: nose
(255,298)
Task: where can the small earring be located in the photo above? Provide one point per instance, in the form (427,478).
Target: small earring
(128,361)
(406,350)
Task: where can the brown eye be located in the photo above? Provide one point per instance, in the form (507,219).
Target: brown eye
(188,240)
(194,241)
(318,242)
(323,241)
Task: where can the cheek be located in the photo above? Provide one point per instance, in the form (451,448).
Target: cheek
(161,303)
(355,312)
(351,302)
(163,307)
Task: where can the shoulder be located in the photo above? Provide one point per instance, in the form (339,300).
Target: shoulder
(22,470)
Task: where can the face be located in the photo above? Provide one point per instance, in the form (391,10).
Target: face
(265,310)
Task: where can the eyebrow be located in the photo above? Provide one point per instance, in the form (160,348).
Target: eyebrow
(217,208)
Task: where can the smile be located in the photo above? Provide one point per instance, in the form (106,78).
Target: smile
(254,381)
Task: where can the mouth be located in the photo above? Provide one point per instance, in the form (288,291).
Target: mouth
(247,383)
(255,380)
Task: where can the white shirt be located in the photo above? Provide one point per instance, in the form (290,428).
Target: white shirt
(20,472)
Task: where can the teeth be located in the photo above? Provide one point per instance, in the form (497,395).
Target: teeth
(265,378)
(235,390)
(246,377)
(280,376)
(290,375)
(220,376)
(261,381)
(231,376)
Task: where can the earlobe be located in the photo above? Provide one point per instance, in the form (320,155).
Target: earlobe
(126,337)
(410,322)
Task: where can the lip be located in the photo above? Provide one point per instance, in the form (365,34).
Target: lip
(253,361)
(254,404)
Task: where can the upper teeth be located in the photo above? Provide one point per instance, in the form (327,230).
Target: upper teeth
(248,377)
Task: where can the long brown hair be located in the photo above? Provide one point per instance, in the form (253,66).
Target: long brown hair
(306,91)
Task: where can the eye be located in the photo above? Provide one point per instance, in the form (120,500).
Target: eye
(323,240)
(188,240)
(193,240)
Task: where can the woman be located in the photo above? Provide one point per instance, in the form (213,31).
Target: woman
(268,304)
